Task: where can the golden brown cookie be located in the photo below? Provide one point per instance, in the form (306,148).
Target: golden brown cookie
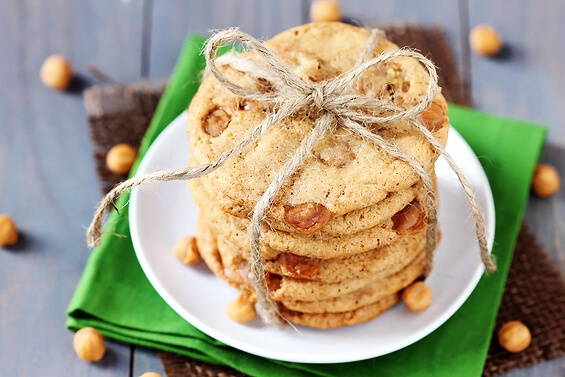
(227,263)
(369,294)
(236,230)
(349,223)
(347,230)
(346,172)
(333,320)
(388,258)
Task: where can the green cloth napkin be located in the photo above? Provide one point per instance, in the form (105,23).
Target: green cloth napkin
(115,297)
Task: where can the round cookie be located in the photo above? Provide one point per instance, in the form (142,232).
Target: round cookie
(341,163)
(367,295)
(351,222)
(316,320)
(223,265)
(274,242)
(333,320)
(228,264)
(286,288)
(389,258)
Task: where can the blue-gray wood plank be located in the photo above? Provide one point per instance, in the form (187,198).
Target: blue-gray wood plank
(52,196)
(526,81)
(47,178)
(445,13)
(262,19)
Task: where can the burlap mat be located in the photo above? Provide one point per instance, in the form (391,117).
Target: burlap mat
(535,291)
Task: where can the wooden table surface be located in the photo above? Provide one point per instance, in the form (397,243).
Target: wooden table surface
(48,182)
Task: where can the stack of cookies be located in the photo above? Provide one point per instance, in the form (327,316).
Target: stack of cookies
(346,233)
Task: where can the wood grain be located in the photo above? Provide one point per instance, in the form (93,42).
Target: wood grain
(526,81)
(146,360)
(262,19)
(444,13)
(47,178)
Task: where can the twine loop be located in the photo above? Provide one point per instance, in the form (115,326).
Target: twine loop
(334,104)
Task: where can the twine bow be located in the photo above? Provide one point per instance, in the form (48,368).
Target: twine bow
(336,105)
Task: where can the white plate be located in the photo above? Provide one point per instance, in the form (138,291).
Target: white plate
(163,212)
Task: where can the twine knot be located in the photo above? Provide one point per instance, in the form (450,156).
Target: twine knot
(334,104)
(319,98)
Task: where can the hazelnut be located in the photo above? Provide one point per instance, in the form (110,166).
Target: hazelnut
(546,180)
(56,72)
(8,231)
(150,374)
(120,158)
(186,251)
(325,10)
(417,297)
(242,309)
(514,336)
(485,40)
(89,344)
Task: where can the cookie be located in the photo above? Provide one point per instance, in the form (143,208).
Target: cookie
(354,296)
(286,288)
(225,265)
(274,242)
(346,232)
(369,294)
(388,258)
(333,320)
(329,181)
(230,264)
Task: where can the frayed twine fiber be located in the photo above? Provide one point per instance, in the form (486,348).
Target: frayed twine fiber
(338,106)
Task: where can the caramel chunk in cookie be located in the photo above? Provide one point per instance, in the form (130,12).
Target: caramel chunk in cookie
(411,219)
(433,117)
(216,122)
(250,105)
(273,281)
(307,217)
(297,266)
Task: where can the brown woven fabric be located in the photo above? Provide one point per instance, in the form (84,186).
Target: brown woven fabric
(181,366)
(534,295)
(119,114)
(535,292)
